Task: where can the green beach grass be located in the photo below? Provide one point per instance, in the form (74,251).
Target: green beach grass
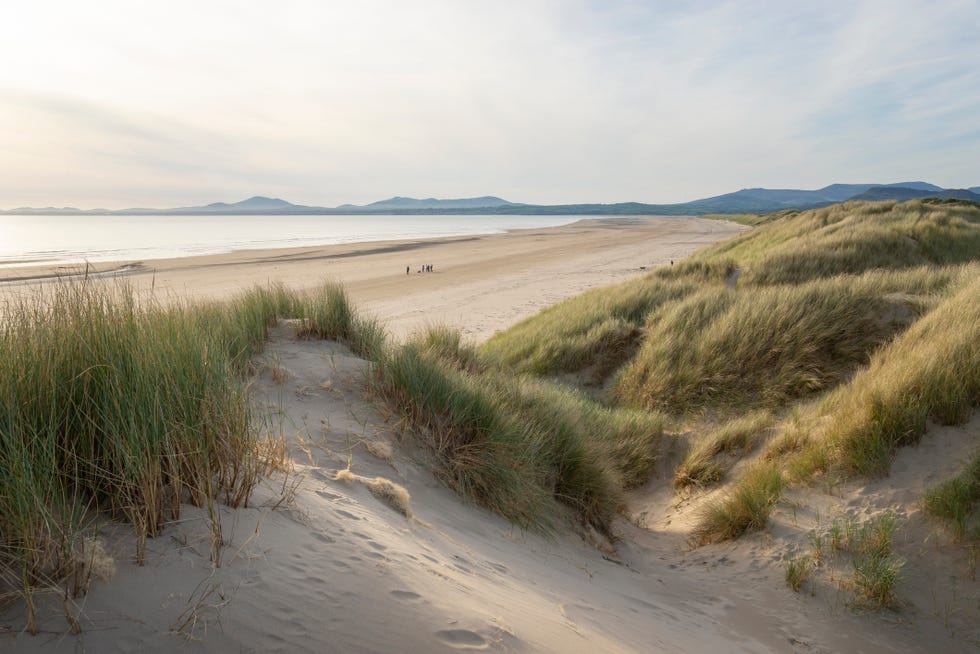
(849,326)
(111,404)
(821,340)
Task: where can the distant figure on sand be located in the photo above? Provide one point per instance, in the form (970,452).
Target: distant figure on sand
(408,269)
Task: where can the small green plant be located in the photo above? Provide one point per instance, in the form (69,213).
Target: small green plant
(956,500)
(875,580)
(798,571)
(817,539)
(746,508)
(877,570)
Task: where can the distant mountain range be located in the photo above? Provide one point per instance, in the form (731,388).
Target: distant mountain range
(753,200)
(429,203)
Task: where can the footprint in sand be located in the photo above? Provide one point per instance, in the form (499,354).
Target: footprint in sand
(405,595)
(462,639)
(499,567)
(347,514)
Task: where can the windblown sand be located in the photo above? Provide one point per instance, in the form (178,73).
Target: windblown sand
(382,558)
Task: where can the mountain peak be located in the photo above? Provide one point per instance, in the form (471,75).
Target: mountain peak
(262,201)
(400,202)
(256,202)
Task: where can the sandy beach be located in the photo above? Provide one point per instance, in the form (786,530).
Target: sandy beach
(480,284)
(321,562)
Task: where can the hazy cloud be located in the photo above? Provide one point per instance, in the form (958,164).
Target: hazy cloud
(118,103)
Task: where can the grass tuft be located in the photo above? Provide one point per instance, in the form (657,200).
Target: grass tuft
(326,313)
(735,438)
(957,500)
(798,571)
(515,445)
(877,570)
(746,508)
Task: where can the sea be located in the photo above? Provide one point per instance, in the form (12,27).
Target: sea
(55,240)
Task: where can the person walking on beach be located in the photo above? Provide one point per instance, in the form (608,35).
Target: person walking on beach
(408,269)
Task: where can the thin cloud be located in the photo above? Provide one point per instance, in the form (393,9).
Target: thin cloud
(543,101)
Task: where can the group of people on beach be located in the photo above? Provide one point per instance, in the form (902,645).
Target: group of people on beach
(426,268)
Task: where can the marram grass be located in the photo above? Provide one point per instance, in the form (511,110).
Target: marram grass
(708,460)
(860,320)
(515,445)
(745,508)
(110,403)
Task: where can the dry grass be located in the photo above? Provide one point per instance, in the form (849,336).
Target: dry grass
(702,466)
(380,450)
(709,349)
(746,508)
(386,491)
(930,372)
(520,447)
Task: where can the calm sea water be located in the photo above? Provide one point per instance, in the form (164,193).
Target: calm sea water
(74,239)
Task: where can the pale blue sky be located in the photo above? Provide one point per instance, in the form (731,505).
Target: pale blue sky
(122,103)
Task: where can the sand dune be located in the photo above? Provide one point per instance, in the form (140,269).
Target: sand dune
(320,564)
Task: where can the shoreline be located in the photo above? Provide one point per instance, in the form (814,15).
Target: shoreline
(479,284)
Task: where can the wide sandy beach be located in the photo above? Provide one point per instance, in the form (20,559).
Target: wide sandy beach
(320,562)
(480,284)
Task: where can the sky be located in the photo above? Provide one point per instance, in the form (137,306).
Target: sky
(148,103)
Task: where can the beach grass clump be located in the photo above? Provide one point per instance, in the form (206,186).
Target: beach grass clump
(735,438)
(745,508)
(758,347)
(957,500)
(932,371)
(326,312)
(112,403)
(798,571)
(599,327)
(853,238)
(515,445)
(475,444)
(446,344)
(625,442)
(876,569)
(109,403)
